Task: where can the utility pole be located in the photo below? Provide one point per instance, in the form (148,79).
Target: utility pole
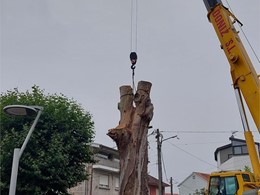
(171,186)
(159,139)
(159,153)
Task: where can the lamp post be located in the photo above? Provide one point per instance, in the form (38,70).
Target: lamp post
(21,110)
(160,139)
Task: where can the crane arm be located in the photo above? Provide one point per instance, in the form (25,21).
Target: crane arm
(243,73)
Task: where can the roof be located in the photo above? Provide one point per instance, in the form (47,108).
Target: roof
(203,176)
(152,181)
(99,148)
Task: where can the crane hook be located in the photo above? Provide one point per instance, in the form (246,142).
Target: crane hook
(133,59)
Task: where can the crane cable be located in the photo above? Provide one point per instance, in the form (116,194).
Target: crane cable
(133,39)
(247,40)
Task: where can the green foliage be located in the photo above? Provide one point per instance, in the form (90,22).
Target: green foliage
(54,157)
(247,169)
(202,191)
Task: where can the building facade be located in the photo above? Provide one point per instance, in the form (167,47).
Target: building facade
(234,156)
(104,175)
(194,183)
(153,184)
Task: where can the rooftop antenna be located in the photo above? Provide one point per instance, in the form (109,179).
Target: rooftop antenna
(233,133)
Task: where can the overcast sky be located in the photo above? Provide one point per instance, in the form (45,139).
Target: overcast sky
(81,48)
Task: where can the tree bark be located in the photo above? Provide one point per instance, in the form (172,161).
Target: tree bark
(136,112)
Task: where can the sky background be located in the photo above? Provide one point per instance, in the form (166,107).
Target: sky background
(81,48)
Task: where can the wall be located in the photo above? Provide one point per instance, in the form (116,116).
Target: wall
(98,189)
(152,190)
(189,186)
(236,163)
(226,154)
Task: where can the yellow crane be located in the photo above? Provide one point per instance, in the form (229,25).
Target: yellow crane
(246,83)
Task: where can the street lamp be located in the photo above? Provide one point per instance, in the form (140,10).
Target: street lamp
(21,110)
(159,154)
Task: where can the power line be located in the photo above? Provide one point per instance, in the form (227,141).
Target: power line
(164,169)
(200,143)
(202,132)
(193,155)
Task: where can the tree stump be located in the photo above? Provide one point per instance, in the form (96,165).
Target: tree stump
(136,112)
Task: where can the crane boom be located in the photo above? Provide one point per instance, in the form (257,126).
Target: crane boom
(242,71)
(245,81)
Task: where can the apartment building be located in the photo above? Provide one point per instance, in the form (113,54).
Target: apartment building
(104,175)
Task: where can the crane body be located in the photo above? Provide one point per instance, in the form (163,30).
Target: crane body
(247,85)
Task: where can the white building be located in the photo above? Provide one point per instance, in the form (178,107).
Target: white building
(195,182)
(234,156)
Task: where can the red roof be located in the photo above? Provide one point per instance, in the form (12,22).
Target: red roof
(152,181)
(203,175)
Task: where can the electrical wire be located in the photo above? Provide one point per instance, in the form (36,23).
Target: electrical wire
(192,155)
(164,169)
(203,132)
(201,143)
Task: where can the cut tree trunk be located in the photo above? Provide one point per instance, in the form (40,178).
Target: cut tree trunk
(131,138)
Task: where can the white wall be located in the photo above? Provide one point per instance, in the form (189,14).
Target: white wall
(235,163)
(189,186)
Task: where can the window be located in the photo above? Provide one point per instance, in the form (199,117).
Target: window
(238,150)
(246,177)
(214,185)
(244,150)
(230,185)
(104,156)
(223,186)
(104,181)
(116,183)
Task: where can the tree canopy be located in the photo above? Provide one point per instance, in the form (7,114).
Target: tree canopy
(58,150)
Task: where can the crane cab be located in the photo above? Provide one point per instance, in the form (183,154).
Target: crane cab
(233,183)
